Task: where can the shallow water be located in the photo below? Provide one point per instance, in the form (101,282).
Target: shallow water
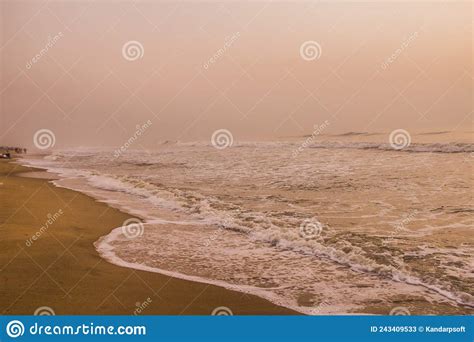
(333,228)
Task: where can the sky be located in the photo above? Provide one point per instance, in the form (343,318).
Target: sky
(92,71)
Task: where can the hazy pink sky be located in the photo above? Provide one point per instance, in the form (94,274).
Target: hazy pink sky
(382,66)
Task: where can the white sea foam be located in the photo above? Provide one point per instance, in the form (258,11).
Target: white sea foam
(253,191)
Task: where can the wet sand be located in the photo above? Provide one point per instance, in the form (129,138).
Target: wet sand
(61,269)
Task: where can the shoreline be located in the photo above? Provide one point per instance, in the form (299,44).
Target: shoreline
(107,254)
(63,270)
(420,303)
(105,251)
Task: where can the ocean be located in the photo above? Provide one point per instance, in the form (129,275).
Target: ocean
(322,227)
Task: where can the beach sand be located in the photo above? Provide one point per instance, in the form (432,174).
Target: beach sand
(62,270)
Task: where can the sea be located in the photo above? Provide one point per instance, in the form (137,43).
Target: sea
(335,226)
